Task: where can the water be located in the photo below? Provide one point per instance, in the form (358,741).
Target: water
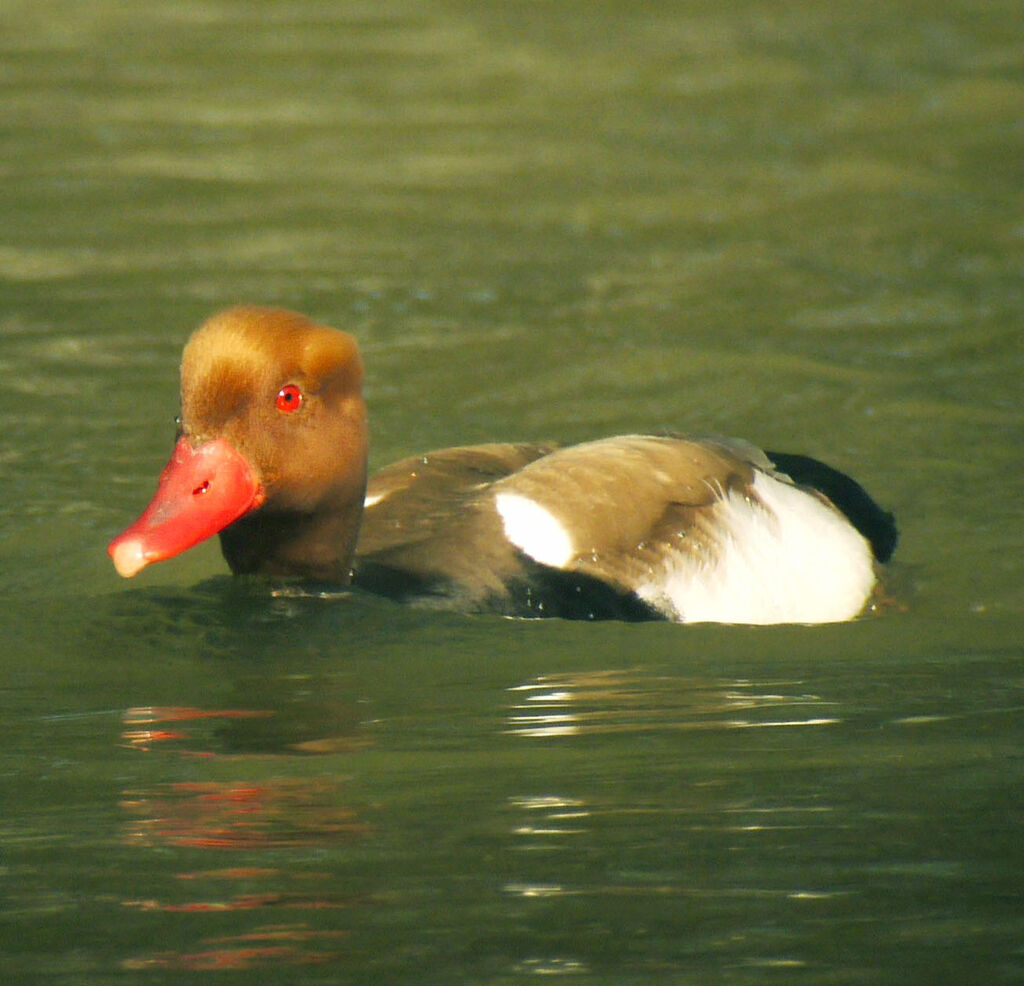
(797,224)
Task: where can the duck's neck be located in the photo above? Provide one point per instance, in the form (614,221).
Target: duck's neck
(315,545)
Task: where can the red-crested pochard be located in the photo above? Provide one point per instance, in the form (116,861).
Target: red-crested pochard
(271,454)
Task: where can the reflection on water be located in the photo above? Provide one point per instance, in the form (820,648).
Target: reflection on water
(690,811)
(144,739)
(298,732)
(237,816)
(275,945)
(555,966)
(562,816)
(678,821)
(617,701)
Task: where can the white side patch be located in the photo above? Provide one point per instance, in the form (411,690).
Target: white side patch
(792,559)
(534,530)
(373,498)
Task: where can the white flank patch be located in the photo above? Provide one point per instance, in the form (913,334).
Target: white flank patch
(789,559)
(373,498)
(534,530)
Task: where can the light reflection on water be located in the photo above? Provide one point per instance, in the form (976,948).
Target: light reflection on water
(697,808)
(611,701)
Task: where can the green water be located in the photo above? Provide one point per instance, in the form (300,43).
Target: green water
(797,223)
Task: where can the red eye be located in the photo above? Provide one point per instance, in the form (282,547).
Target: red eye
(289,398)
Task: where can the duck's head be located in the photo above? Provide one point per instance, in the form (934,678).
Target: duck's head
(273,426)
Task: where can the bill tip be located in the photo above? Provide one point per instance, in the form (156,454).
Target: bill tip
(128,556)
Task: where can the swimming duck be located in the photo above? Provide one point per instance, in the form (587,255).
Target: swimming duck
(271,454)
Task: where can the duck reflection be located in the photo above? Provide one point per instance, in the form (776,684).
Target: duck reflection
(272,814)
(297,728)
(256,811)
(287,946)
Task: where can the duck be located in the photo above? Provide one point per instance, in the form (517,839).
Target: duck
(271,455)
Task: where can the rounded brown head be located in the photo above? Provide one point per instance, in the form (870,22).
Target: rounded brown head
(272,443)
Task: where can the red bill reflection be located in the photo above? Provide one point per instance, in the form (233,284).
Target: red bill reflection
(234,732)
(180,713)
(249,815)
(275,945)
(138,736)
(278,813)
